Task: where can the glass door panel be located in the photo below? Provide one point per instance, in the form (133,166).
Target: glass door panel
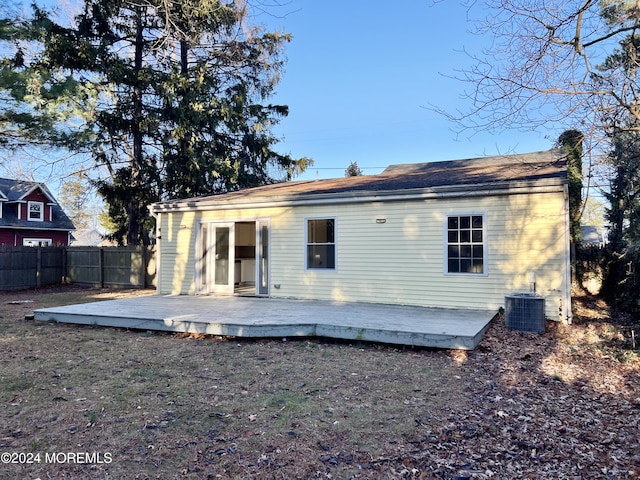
(223,238)
(221,267)
(262,257)
(216,256)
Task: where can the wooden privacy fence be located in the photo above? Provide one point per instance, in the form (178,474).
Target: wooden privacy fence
(32,267)
(112,266)
(28,267)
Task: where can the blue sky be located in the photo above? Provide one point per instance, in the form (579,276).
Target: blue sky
(360,77)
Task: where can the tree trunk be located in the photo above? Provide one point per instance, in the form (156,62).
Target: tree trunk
(134,208)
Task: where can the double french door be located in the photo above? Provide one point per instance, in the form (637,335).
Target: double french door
(215,265)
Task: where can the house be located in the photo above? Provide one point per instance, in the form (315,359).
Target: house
(456,234)
(90,237)
(30,215)
(591,237)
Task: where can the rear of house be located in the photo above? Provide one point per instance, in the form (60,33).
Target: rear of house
(458,234)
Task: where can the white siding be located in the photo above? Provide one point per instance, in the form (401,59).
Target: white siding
(401,261)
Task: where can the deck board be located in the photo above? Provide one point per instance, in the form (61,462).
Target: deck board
(269,317)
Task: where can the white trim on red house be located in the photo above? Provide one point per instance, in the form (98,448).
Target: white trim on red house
(43,189)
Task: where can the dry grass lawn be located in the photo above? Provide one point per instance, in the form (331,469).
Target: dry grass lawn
(86,402)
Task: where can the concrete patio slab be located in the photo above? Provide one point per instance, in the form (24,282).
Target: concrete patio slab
(269,317)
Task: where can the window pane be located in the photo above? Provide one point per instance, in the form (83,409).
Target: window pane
(321,231)
(453,223)
(454,266)
(453,236)
(478,251)
(465,251)
(454,251)
(465,222)
(477,221)
(321,256)
(465,236)
(476,236)
(465,266)
(478,266)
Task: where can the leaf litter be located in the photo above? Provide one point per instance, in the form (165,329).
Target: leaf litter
(561,405)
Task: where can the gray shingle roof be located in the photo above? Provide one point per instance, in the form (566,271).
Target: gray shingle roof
(547,166)
(15,191)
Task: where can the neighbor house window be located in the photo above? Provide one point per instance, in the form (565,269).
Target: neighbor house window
(36,242)
(36,211)
(321,243)
(466,244)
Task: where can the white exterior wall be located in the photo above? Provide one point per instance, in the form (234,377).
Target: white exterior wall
(401,261)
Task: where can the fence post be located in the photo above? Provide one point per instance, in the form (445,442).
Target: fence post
(38,266)
(64,251)
(144,266)
(101,265)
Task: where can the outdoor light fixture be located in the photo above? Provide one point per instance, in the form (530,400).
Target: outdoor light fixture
(532,281)
(381,220)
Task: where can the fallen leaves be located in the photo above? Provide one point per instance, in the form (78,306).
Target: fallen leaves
(561,405)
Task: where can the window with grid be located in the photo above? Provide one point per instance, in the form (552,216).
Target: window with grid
(465,244)
(36,211)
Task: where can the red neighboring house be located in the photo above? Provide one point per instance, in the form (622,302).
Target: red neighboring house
(30,215)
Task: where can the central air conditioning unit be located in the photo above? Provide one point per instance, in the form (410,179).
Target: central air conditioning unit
(524,312)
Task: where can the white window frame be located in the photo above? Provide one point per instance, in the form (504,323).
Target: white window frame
(307,245)
(37,242)
(41,204)
(484,243)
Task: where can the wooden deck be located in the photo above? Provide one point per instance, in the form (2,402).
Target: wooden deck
(268,317)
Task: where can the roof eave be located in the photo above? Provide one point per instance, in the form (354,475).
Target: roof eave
(365,196)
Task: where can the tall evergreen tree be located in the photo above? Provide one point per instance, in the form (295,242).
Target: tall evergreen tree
(177,100)
(36,100)
(207,36)
(622,277)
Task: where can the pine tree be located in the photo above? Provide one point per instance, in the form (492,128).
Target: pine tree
(353,170)
(172,103)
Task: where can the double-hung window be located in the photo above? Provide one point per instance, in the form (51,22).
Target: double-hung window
(466,244)
(321,243)
(36,211)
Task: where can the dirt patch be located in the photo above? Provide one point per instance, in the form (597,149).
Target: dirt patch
(87,402)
